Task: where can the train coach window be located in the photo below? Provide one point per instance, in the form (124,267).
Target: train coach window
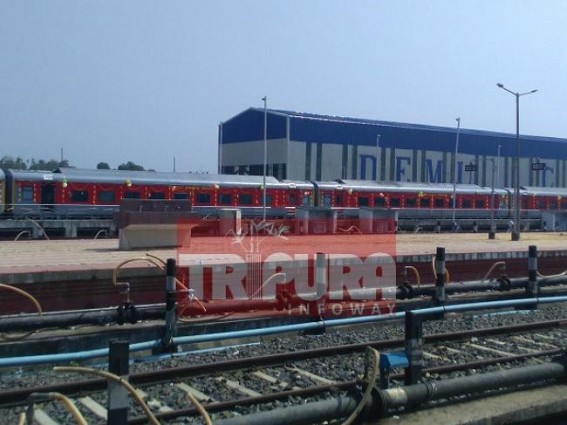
(180,195)
(467,203)
(203,198)
(246,199)
(439,203)
(339,200)
(106,196)
(79,196)
(541,204)
(326,200)
(291,199)
(395,202)
(156,195)
(479,204)
(363,201)
(26,194)
(410,203)
(224,199)
(425,202)
(553,204)
(380,202)
(131,195)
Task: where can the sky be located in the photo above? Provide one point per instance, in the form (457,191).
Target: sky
(150,81)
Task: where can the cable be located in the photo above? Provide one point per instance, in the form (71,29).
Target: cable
(371,379)
(115,378)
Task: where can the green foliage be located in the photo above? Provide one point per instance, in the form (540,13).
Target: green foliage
(14,164)
(130,166)
(8,162)
(102,166)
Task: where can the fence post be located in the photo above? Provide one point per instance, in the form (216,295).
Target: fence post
(439,297)
(170,305)
(118,360)
(414,347)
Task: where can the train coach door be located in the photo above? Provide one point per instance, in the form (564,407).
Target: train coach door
(47,196)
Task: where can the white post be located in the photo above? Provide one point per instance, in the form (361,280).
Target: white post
(265,99)
(455,174)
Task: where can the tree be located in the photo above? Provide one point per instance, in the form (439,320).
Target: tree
(131,166)
(43,165)
(13,164)
(102,166)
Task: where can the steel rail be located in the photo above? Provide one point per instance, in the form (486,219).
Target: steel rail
(144,378)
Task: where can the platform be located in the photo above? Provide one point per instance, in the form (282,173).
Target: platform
(77,274)
(57,255)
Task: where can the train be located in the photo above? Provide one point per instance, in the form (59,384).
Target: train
(80,193)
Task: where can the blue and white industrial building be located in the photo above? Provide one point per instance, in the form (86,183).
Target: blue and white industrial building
(304,146)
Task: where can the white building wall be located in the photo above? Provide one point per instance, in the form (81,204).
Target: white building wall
(405,165)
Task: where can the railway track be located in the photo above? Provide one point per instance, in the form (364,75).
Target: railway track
(243,379)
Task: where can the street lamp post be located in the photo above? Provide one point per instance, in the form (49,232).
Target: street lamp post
(265,99)
(455,175)
(491,233)
(517,226)
(378,136)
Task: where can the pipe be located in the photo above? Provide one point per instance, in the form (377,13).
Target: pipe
(414,395)
(28,322)
(84,317)
(321,324)
(524,302)
(304,414)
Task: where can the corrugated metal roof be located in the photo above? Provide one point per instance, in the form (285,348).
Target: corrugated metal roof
(329,129)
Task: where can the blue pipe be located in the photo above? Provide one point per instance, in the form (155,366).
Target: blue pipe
(489,305)
(321,324)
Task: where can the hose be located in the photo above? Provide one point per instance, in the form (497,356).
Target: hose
(371,379)
(29,297)
(114,378)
